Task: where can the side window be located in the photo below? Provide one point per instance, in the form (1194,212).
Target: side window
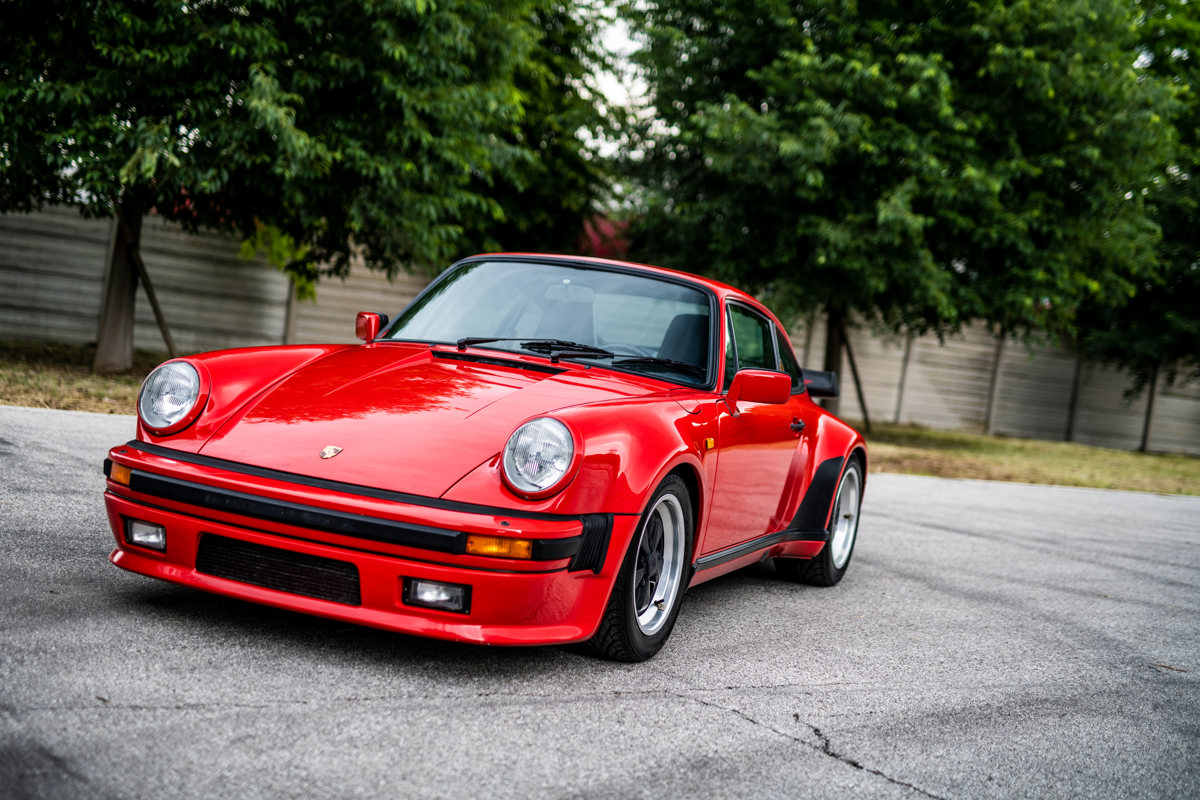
(730,354)
(754,346)
(788,363)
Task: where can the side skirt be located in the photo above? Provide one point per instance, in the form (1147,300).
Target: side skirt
(807,526)
(751,547)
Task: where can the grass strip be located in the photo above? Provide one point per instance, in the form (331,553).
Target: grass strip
(915,450)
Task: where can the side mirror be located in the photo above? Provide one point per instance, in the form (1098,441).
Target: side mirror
(368,324)
(758,386)
(820,384)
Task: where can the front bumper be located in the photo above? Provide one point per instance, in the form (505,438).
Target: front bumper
(349,553)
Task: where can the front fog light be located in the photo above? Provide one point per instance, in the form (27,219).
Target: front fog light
(442,596)
(143,534)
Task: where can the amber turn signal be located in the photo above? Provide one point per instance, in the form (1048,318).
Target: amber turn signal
(499,547)
(120,474)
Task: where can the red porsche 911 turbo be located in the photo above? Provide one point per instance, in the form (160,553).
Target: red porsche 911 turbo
(539,449)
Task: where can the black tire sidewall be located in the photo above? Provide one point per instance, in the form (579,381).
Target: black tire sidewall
(644,645)
(835,573)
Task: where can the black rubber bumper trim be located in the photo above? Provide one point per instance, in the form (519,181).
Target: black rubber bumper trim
(592,543)
(364,546)
(339,486)
(301,516)
(597,530)
(754,545)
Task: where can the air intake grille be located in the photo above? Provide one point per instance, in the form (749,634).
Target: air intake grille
(281,570)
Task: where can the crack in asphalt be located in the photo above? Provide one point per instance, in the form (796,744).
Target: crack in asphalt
(823,746)
(827,748)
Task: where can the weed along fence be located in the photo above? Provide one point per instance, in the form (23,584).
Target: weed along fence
(52,269)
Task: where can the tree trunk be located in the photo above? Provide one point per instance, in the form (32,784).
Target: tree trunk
(834,328)
(810,325)
(862,398)
(1073,408)
(989,417)
(1144,446)
(908,346)
(114,339)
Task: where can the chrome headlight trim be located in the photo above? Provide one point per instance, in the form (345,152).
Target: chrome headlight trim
(170,397)
(539,457)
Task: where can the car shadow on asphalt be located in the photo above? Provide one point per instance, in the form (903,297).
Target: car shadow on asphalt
(218,622)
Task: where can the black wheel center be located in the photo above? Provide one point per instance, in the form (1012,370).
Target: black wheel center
(649,566)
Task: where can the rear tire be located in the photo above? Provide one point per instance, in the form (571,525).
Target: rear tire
(654,574)
(827,567)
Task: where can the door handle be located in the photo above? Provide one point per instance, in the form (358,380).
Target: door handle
(797,424)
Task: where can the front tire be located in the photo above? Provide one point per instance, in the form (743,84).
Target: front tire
(654,574)
(827,567)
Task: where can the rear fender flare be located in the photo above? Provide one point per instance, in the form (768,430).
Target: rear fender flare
(837,444)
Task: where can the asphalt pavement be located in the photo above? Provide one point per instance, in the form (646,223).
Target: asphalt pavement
(989,641)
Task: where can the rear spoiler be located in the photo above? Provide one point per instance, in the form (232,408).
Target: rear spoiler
(820,384)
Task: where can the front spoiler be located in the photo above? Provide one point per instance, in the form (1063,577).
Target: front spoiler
(552,599)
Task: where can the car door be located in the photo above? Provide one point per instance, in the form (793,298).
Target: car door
(759,457)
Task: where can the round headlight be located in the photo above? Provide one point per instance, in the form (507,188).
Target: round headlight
(538,455)
(168,395)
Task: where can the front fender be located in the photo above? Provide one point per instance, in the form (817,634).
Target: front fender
(629,446)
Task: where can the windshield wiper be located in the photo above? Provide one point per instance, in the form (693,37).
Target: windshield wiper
(554,347)
(557,348)
(652,361)
(471,341)
(563,346)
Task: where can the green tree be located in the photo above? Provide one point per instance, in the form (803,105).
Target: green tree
(547,198)
(312,129)
(916,164)
(1158,331)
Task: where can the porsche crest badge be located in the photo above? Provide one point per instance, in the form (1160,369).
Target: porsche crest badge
(330,451)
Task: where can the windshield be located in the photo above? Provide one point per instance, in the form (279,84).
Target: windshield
(628,321)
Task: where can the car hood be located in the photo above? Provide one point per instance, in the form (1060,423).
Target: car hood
(406,417)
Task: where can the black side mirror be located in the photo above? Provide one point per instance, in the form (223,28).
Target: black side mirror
(820,384)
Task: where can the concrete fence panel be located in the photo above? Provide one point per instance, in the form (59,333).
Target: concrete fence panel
(52,268)
(51,275)
(331,317)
